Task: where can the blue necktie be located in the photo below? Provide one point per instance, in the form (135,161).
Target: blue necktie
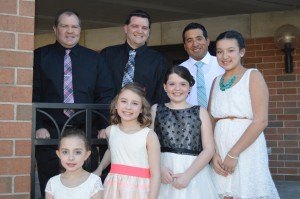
(201,90)
(129,69)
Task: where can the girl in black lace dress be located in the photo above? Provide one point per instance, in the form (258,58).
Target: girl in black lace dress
(186,138)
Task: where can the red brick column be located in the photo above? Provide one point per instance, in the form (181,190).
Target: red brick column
(283,132)
(16,58)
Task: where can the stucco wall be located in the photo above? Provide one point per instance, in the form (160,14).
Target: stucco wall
(165,33)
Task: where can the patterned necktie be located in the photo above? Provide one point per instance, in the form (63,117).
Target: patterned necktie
(68,84)
(201,90)
(129,69)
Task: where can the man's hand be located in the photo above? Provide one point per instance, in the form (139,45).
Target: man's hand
(101,134)
(42,134)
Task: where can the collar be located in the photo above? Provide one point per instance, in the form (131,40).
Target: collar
(205,60)
(139,50)
(62,50)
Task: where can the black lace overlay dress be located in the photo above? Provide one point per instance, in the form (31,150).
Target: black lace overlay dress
(179,133)
(179,130)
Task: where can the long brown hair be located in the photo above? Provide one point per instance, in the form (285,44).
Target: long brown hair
(144,117)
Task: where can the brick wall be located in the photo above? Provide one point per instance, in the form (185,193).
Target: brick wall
(283,132)
(16,56)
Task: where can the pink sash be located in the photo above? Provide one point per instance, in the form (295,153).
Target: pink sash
(129,170)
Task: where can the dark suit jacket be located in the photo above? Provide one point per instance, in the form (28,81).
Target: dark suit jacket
(150,69)
(92,81)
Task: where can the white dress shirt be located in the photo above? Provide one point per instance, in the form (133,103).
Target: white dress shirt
(211,70)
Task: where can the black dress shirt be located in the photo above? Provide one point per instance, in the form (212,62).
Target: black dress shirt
(92,81)
(150,69)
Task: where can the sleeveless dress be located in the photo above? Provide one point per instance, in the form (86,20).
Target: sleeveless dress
(128,154)
(83,191)
(251,178)
(179,134)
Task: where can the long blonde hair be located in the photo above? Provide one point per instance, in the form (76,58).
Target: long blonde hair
(144,117)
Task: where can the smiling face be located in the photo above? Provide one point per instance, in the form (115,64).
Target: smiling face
(129,105)
(177,88)
(229,54)
(72,153)
(195,44)
(137,31)
(68,30)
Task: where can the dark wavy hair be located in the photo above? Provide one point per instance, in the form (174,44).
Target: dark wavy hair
(144,117)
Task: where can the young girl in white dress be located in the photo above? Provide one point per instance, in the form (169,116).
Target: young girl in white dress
(75,182)
(186,138)
(239,107)
(133,150)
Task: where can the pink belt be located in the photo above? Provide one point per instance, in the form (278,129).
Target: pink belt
(129,170)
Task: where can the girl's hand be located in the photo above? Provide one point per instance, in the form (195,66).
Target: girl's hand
(181,181)
(217,165)
(166,175)
(229,164)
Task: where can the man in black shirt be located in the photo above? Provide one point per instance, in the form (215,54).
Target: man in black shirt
(90,81)
(149,66)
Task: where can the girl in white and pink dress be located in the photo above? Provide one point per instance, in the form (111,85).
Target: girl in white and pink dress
(239,107)
(134,151)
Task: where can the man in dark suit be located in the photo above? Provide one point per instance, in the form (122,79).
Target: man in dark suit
(149,65)
(65,72)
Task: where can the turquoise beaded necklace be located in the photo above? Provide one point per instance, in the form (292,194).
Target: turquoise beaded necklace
(224,86)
